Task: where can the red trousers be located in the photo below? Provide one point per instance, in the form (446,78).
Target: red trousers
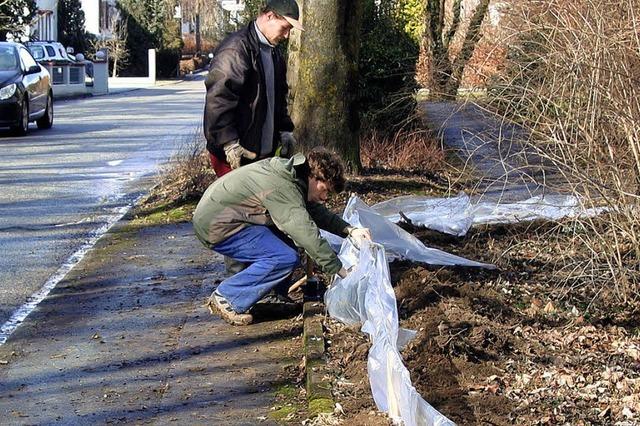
(221,167)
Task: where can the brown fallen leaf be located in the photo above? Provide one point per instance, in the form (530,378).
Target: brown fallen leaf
(549,308)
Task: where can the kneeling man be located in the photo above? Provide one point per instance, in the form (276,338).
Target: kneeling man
(256,214)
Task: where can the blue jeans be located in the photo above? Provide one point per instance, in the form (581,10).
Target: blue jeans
(270,262)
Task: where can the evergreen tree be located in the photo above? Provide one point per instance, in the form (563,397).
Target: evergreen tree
(387,69)
(71,30)
(15,15)
(152,25)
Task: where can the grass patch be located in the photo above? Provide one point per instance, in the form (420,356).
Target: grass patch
(287,391)
(165,213)
(283,413)
(289,405)
(320,405)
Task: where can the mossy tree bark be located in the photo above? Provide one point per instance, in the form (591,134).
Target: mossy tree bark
(324,70)
(446,70)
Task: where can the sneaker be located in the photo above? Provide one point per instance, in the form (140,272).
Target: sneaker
(226,312)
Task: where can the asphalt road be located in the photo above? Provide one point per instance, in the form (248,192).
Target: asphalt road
(59,186)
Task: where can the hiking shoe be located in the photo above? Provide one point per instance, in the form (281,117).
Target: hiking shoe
(226,312)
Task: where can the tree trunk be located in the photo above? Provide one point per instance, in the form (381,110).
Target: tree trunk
(446,72)
(325,68)
(468,46)
(115,67)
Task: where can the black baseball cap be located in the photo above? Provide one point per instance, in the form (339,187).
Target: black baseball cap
(288,9)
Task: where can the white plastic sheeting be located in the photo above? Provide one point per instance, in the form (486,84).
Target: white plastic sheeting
(366,296)
(448,215)
(457,214)
(397,242)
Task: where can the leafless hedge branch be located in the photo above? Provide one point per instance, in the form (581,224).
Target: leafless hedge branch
(571,79)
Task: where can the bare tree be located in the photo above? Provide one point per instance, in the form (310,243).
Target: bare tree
(210,15)
(442,27)
(116,45)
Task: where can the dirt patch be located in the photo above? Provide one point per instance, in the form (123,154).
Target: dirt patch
(520,345)
(348,349)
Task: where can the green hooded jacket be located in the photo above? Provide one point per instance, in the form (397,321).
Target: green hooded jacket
(269,193)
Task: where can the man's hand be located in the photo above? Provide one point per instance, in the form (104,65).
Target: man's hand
(234,153)
(342,273)
(287,144)
(359,234)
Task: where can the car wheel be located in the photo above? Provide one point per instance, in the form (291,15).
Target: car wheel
(22,127)
(46,121)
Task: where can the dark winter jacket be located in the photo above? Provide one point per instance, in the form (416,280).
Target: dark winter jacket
(236,103)
(268,192)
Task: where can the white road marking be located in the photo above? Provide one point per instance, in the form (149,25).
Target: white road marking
(34,300)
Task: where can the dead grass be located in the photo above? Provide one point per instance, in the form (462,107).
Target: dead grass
(405,150)
(189,47)
(187,175)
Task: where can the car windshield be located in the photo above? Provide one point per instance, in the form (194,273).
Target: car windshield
(37,52)
(8,60)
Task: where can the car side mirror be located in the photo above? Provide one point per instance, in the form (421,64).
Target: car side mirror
(34,69)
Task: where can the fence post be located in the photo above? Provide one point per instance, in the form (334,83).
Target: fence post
(101,74)
(152,66)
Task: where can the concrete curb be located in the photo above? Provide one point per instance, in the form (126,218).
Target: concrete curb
(318,384)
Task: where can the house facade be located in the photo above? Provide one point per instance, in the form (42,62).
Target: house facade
(99,16)
(45,24)
(234,8)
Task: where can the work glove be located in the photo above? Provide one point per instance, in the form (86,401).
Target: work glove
(234,153)
(287,144)
(342,273)
(359,234)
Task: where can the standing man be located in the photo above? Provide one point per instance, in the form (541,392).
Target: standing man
(257,213)
(245,115)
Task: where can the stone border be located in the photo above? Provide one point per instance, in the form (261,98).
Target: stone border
(318,382)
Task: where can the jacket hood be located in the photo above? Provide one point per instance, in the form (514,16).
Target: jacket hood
(286,168)
(8,77)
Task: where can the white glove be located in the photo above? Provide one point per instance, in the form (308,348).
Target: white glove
(359,234)
(342,273)
(234,153)
(287,144)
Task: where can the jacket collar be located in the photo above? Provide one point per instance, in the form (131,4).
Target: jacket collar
(261,37)
(252,36)
(286,168)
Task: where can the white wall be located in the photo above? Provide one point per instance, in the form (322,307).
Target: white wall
(91,16)
(91,10)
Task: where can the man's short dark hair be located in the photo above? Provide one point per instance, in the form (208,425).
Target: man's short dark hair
(326,166)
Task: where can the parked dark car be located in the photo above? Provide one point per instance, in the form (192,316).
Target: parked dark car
(25,90)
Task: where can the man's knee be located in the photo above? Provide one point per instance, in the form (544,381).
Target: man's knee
(288,258)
